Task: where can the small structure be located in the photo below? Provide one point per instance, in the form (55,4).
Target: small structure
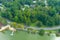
(34,1)
(23,9)
(1,24)
(32,6)
(26,5)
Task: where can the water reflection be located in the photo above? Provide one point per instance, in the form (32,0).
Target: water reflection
(21,35)
(3,36)
(52,36)
(57,38)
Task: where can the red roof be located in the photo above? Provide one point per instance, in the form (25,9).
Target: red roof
(1,24)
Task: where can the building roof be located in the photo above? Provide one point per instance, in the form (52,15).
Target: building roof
(1,24)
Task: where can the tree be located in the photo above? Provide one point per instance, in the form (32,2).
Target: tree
(41,32)
(37,13)
(3,21)
(39,24)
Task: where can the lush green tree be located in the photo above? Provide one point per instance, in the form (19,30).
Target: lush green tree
(41,32)
(36,13)
(3,21)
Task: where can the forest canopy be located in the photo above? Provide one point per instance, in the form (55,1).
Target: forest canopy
(32,12)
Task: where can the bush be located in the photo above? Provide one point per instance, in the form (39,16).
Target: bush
(58,30)
(29,30)
(39,24)
(20,26)
(15,25)
(34,31)
(41,32)
(3,21)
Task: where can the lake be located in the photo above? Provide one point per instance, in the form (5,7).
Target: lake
(20,35)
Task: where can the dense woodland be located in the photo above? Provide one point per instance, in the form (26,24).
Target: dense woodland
(32,12)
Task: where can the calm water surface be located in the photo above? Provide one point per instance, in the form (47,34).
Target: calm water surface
(25,36)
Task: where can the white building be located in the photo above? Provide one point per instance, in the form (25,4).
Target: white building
(34,1)
(26,5)
(23,9)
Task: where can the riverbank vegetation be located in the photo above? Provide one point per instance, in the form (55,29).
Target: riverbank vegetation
(3,21)
(33,19)
(32,12)
(16,25)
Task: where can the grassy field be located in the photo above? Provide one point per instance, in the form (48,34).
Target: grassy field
(20,35)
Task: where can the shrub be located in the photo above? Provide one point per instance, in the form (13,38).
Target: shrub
(15,25)
(34,31)
(41,32)
(20,26)
(3,21)
(29,30)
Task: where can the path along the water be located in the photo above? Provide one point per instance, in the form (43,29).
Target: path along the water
(46,28)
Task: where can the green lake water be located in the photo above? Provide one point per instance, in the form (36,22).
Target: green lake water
(23,36)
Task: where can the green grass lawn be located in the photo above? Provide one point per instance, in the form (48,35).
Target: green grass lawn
(20,35)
